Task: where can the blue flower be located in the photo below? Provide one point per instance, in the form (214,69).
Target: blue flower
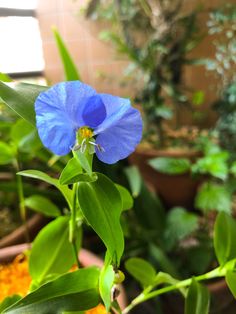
(72,115)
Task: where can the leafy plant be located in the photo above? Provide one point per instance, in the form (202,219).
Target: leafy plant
(156,37)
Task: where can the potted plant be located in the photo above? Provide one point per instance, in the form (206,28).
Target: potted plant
(156,39)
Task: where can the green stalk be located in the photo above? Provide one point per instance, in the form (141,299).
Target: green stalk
(146,294)
(21,198)
(72,224)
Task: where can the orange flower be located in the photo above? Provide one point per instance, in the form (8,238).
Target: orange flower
(100,309)
(14,278)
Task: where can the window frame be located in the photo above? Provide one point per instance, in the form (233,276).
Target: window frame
(5,12)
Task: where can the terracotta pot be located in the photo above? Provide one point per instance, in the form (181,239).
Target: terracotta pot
(222,300)
(86,258)
(174,190)
(34,224)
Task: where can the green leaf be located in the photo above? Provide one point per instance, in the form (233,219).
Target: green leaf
(71,170)
(224,238)
(76,291)
(101,205)
(73,173)
(20,98)
(84,161)
(5,78)
(39,175)
(168,165)
(164,112)
(42,205)
(126,198)
(212,196)
(231,282)
(52,253)
(71,72)
(25,136)
(8,301)
(106,281)
(141,270)
(6,154)
(198,300)
(198,98)
(135,180)
(215,164)
(179,224)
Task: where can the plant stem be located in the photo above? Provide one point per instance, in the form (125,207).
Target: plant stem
(146,295)
(72,225)
(21,198)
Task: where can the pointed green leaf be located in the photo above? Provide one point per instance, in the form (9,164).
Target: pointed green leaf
(231,282)
(20,98)
(76,291)
(84,160)
(71,72)
(134,179)
(197,301)
(224,238)
(172,166)
(42,205)
(126,198)
(106,281)
(52,253)
(101,205)
(141,270)
(39,175)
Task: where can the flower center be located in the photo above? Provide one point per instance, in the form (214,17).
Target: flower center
(85,132)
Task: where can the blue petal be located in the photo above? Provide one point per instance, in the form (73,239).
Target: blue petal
(59,114)
(116,108)
(120,140)
(94,112)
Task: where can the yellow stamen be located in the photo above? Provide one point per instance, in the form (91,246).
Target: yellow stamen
(85,132)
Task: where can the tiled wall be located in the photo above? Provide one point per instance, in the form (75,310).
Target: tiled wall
(94,57)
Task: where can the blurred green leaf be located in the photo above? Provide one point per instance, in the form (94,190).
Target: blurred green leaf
(198,98)
(5,78)
(42,205)
(212,196)
(71,72)
(168,165)
(101,205)
(6,154)
(25,136)
(231,282)
(214,163)
(179,224)
(126,198)
(141,270)
(70,292)
(21,98)
(224,238)
(135,180)
(51,253)
(8,301)
(198,299)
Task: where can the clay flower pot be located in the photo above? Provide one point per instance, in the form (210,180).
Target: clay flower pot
(86,258)
(174,190)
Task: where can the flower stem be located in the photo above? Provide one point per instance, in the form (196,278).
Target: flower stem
(72,224)
(21,198)
(146,295)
